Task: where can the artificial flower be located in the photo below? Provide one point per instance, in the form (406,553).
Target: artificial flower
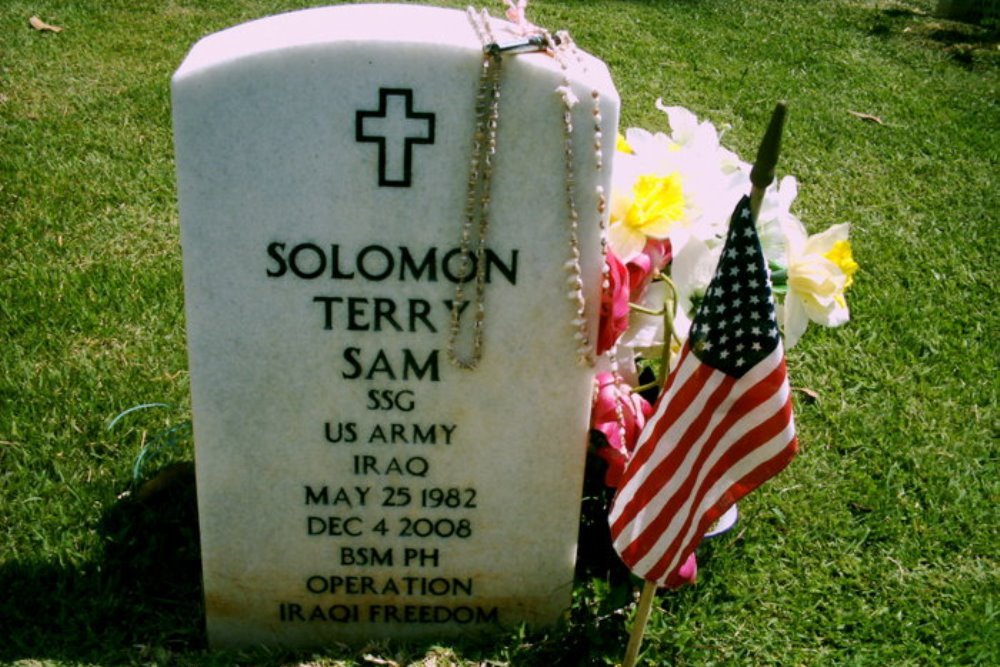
(646,332)
(713,178)
(820,269)
(621,434)
(649,210)
(687,130)
(687,573)
(651,150)
(775,222)
(692,271)
(644,266)
(614,305)
(840,254)
(622,145)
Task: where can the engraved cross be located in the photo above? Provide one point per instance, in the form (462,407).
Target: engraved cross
(396,128)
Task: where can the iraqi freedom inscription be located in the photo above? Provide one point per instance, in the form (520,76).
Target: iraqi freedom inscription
(390,418)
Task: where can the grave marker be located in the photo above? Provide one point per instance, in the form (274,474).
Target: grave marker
(352,483)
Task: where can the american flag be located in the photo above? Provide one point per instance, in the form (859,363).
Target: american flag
(723,423)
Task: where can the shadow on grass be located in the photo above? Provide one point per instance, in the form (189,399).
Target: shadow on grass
(969,43)
(141,601)
(144,590)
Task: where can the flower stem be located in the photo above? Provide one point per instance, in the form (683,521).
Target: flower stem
(644,387)
(669,314)
(647,311)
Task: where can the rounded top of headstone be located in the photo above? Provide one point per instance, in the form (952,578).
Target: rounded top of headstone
(436,27)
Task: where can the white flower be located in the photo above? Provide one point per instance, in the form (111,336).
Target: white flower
(646,203)
(776,223)
(820,269)
(692,271)
(645,334)
(683,186)
(686,131)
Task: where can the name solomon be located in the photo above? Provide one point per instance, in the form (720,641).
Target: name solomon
(376,263)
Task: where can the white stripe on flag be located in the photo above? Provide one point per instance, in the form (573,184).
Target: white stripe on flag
(754,459)
(744,466)
(656,489)
(667,443)
(655,455)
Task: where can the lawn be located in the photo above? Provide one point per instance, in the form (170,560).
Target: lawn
(878,546)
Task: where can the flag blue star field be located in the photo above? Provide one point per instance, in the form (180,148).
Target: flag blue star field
(723,423)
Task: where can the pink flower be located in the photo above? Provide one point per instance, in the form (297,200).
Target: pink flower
(614,305)
(643,267)
(687,573)
(515,10)
(635,410)
(517,15)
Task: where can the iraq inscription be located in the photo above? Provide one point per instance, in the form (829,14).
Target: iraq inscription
(352,483)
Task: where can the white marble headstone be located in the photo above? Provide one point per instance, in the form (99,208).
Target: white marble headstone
(352,484)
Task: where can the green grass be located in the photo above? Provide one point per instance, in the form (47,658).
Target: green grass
(878,546)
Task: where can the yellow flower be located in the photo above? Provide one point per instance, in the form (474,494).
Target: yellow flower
(622,145)
(656,204)
(819,270)
(840,254)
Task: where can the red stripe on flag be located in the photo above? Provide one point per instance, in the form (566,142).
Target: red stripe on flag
(677,404)
(663,444)
(687,539)
(670,478)
(756,478)
(676,453)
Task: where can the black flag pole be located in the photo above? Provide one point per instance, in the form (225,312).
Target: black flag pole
(762,173)
(761,176)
